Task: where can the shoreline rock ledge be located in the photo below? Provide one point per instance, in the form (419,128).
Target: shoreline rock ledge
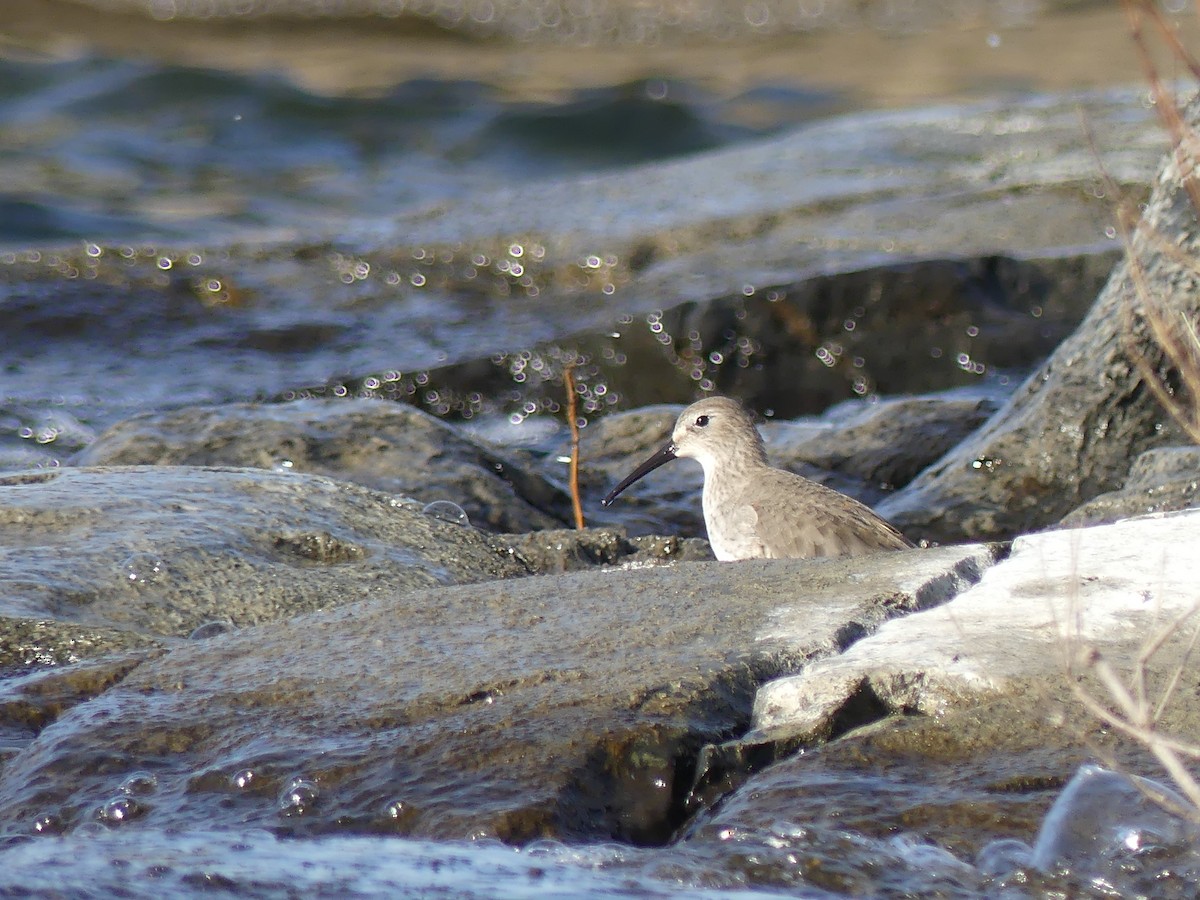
(570,706)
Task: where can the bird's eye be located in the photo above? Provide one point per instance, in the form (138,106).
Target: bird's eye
(701,421)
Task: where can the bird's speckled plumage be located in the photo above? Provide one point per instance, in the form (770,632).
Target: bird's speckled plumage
(754,511)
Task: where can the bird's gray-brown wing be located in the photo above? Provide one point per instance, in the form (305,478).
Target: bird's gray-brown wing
(800,519)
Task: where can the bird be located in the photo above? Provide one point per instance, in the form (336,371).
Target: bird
(755,511)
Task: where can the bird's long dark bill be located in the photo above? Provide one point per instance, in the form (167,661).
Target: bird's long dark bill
(665,455)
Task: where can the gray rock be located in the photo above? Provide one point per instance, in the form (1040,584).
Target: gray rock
(1162,465)
(1017,634)
(1170,496)
(385,446)
(27,643)
(569,706)
(1166,479)
(880,446)
(1071,431)
(162,550)
(958,725)
(569,550)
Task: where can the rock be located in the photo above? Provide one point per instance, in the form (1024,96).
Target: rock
(924,326)
(1015,635)
(668,503)
(384,446)
(957,725)
(879,447)
(1070,432)
(163,550)
(1162,465)
(570,706)
(27,643)
(1171,496)
(569,550)
(1166,479)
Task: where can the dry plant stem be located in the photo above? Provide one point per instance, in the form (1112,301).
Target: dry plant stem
(573,421)
(1183,138)
(1152,646)
(1134,721)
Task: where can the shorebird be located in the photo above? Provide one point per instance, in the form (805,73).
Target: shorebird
(754,511)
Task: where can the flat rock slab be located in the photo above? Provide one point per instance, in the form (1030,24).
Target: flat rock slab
(385,446)
(569,706)
(162,550)
(1016,634)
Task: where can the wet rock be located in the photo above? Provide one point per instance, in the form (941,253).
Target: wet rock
(924,326)
(29,643)
(878,447)
(971,785)
(1162,465)
(1163,480)
(384,446)
(569,550)
(569,706)
(1018,634)
(1170,496)
(957,726)
(163,550)
(667,503)
(1072,429)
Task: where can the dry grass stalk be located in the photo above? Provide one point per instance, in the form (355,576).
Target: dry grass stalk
(1173,334)
(573,422)
(1172,373)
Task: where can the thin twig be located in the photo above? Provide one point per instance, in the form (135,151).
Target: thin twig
(573,422)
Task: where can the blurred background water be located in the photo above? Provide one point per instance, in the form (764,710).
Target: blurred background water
(195,120)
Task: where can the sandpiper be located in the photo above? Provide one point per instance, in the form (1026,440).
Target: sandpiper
(754,511)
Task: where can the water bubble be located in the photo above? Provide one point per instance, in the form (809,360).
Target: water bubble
(298,797)
(243,779)
(139,784)
(447,511)
(211,630)
(143,569)
(120,810)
